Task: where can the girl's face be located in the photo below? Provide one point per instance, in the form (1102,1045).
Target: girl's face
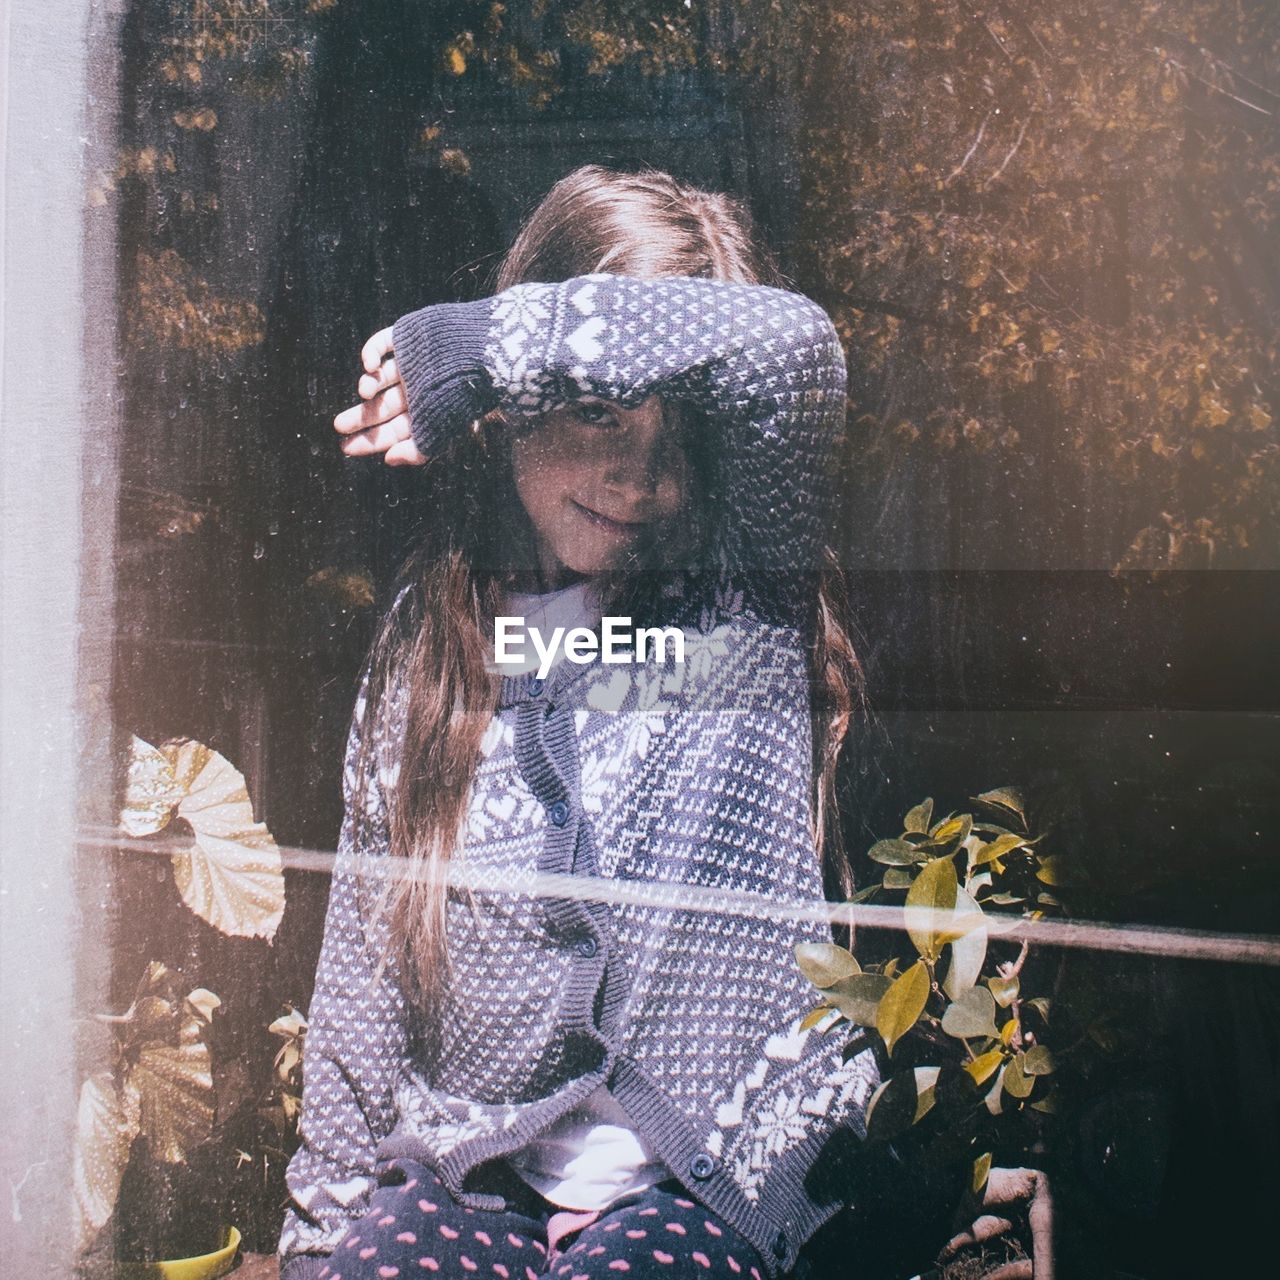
(595,478)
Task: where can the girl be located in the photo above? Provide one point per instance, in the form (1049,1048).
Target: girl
(500,1079)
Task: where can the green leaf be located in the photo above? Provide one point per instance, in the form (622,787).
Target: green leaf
(1004,800)
(932,892)
(865,895)
(992,1099)
(984,1065)
(858,997)
(895,853)
(1038,1061)
(953,832)
(998,847)
(969,951)
(1017,1084)
(971,1016)
(977,882)
(901,1006)
(824,964)
(1048,1104)
(1005,899)
(917,819)
(992,828)
(1041,1004)
(1005,990)
(816,1015)
(892,1109)
(926,1078)
(897,878)
(1051,871)
(981,1172)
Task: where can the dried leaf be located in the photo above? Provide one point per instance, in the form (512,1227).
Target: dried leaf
(175,1088)
(107,1122)
(151,792)
(233,878)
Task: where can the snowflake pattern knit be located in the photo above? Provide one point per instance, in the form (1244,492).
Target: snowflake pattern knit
(690,774)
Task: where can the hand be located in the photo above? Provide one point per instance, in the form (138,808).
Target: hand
(381,423)
(1025,1190)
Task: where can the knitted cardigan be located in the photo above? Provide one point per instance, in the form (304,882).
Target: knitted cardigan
(685,774)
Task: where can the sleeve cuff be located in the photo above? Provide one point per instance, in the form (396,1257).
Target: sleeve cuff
(439,352)
(305,1266)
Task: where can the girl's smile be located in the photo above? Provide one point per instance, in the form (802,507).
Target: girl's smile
(625,528)
(595,477)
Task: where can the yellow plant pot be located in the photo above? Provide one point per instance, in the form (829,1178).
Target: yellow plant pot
(205,1267)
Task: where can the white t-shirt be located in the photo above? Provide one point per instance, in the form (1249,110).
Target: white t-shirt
(593,1154)
(589,1157)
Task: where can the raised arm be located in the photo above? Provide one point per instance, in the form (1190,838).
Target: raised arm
(356,1039)
(764,364)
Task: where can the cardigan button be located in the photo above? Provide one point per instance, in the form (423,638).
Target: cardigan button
(536,686)
(586,947)
(780,1245)
(702,1165)
(558,813)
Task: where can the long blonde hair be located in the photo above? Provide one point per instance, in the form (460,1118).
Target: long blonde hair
(644,224)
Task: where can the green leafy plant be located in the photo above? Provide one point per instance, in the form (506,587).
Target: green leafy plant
(964,1041)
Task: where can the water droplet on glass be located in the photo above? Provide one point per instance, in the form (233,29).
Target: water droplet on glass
(273,528)
(259,551)
(313,385)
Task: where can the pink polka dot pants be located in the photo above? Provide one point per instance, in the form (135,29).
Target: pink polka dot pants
(414,1229)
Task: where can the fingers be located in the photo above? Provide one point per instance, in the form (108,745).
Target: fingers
(387,375)
(372,352)
(987,1227)
(404,454)
(391,438)
(377,439)
(382,408)
(380,423)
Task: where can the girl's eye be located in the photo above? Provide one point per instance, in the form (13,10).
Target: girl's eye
(594,413)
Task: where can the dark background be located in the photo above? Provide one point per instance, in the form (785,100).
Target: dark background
(1019,622)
